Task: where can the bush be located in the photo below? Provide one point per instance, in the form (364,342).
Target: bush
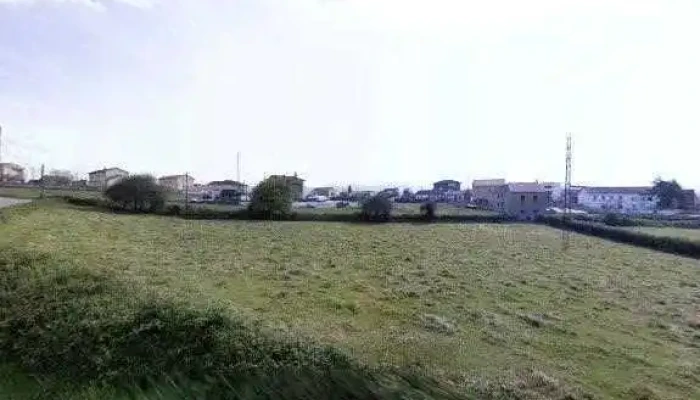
(82,201)
(173,210)
(678,246)
(376,209)
(428,210)
(271,199)
(72,324)
(137,193)
(612,219)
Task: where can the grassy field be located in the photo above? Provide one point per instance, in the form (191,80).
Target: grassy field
(690,234)
(35,192)
(468,303)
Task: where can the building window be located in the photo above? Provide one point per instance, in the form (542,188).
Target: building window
(522,211)
(534,198)
(522,198)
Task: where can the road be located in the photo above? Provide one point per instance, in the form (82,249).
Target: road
(6,202)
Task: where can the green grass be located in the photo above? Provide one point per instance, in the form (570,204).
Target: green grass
(690,234)
(35,193)
(469,303)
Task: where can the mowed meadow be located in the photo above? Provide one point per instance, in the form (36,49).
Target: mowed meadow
(470,305)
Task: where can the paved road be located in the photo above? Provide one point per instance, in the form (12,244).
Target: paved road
(6,202)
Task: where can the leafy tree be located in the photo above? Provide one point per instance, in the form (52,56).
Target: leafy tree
(271,198)
(428,210)
(670,193)
(377,209)
(138,193)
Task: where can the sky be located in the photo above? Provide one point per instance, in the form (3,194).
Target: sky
(354,91)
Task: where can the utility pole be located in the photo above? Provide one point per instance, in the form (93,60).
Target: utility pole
(43,184)
(238,167)
(187,190)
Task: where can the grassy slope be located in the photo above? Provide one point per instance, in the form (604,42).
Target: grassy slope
(691,234)
(604,317)
(35,193)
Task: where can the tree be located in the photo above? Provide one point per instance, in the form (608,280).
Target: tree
(670,193)
(271,198)
(376,208)
(138,193)
(428,210)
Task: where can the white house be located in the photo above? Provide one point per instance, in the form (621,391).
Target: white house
(10,172)
(623,200)
(106,177)
(176,182)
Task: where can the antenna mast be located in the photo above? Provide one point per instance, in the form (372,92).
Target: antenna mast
(566,234)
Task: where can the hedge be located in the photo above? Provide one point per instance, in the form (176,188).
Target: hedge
(678,246)
(203,213)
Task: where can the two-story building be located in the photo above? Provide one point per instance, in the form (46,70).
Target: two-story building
(177,182)
(525,201)
(10,172)
(623,200)
(106,177)
(489,193)
(448,191)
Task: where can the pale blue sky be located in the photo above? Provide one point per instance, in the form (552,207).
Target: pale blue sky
(371,91)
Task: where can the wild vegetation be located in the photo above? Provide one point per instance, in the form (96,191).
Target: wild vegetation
(490,311)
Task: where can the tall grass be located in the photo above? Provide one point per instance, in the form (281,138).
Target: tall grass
(91,329)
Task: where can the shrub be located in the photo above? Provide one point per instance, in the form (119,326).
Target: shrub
(173,210)
(82,201)
(271,199)
(428,210)
(376,209)
(612,219)
(678,246)
(137,193)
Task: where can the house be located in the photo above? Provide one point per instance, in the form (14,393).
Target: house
(106,177)
(554,190)
(228,191)
(391,193)
(489,193)
(424,195)
(294,182)
(525,201)
(323,191)
(448,191)
(10,172)
(447,185)
(177,182)
(688,201)
(623,200)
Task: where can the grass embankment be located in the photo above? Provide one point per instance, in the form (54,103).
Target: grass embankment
(467,303)
(35,193)
(688,234)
